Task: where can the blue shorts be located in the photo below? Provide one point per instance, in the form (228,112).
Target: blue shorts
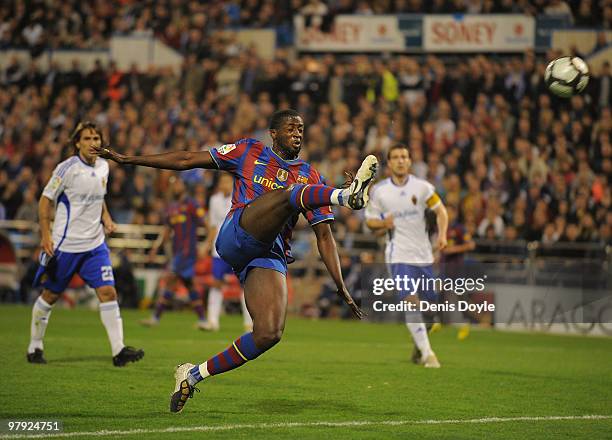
(184,267)
(220,268)
(93,266)
(423,273)
(243,252)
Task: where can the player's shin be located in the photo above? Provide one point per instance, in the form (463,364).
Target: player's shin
(418,330)
(41,311)
(111,318)
(306,197)
(419,334)
(240,352)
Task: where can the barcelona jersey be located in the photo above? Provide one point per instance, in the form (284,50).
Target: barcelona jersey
(456,235)
(184,217)
(257,170)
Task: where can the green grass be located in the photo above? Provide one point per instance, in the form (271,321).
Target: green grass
(322,371)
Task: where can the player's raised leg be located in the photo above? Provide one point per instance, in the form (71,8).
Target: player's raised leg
(265,217)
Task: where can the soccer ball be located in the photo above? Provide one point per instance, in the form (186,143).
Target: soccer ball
(566,76)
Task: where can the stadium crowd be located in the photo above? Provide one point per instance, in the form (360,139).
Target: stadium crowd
(516,162)
(187,25)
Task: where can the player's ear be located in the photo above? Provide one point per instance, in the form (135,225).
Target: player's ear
(273,134)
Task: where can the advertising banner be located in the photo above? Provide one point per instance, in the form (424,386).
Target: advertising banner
(478,33)
(349,33)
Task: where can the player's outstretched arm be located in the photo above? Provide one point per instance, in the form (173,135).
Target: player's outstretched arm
(329,255)
(173,160)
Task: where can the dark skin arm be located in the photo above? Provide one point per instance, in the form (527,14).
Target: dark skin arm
(173,160)
(329,255)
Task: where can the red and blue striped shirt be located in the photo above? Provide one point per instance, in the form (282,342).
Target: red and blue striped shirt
(257,170)
(184,217)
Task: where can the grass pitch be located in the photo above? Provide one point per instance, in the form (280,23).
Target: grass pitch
(326,379)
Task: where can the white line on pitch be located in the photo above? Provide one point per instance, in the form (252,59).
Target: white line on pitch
(353,423)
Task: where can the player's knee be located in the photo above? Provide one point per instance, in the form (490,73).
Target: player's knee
(267,338)
(106,294)
(49,297)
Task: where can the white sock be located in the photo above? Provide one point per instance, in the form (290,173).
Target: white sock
(203,372)
(40,318)
(111,318)
(419,334)
(246,317)
(215,302)
(340,197)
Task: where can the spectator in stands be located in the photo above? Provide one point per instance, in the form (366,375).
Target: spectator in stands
(481,128)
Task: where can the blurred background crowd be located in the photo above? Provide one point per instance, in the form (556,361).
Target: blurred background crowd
(514,161)
(187,25)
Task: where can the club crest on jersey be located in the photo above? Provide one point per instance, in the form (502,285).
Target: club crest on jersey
(224,149)
(302,179)
(414,200)
(55,183)
(282,175)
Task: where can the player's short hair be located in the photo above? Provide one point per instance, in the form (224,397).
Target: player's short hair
(76,134)
(397,146)
(279,116)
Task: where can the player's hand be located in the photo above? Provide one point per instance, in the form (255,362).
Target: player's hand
(47,245)
(357,312)
(108,153)
(388,221)
(441,243)
(109,227)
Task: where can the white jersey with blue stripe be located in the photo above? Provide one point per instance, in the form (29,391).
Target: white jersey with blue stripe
(78,190)
(408,242)
(219,206)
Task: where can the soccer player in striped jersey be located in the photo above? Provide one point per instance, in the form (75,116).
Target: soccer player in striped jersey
(218,207)
(397,206)
(272,186)
(183,217)
(76,243)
